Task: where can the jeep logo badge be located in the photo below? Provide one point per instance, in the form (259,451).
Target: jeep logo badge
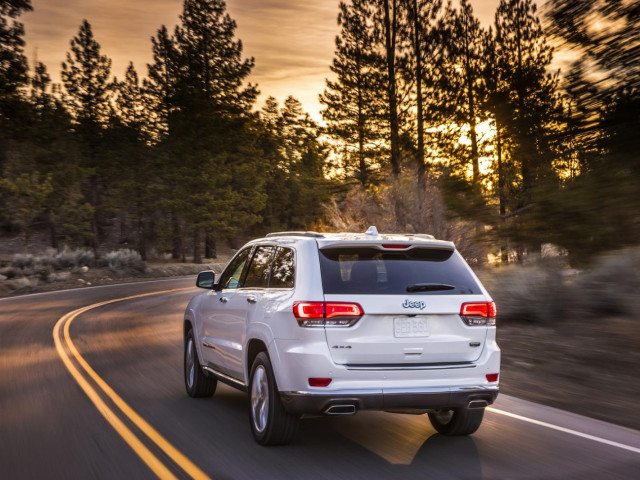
(409,304)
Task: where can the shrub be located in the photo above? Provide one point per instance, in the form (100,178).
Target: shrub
(532,293)
(612,285)
(125,259)
(10,272)
(23,260)
(72,258)
(543,293)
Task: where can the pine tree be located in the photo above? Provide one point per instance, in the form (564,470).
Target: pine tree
(135,193)
(354,101)
(465,76)
(13,74)
(390,30)
(421,15)
(160,84)
(208,147)
(55,152)
(295,179)
(85,76)
(523,56)
(206,41)
(13,64)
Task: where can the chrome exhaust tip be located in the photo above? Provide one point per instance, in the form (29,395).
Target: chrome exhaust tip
(478,404)
(340,410)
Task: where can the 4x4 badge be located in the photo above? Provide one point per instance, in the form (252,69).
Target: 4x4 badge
(409,304)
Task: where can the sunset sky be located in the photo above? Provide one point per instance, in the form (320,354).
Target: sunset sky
(292,41)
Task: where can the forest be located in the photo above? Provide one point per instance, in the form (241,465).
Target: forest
(432,123)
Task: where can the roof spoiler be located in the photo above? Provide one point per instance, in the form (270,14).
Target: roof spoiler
(296,234)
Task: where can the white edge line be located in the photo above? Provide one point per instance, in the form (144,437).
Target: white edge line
(566,430)
(62,290)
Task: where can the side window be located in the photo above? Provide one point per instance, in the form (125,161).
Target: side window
(232,275)
(258,273)
(283,271)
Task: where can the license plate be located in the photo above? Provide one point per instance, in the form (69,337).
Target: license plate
(410,327)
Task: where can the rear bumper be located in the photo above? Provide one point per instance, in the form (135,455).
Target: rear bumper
(314,402)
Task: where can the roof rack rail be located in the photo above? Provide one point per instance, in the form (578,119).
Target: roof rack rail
(296,234)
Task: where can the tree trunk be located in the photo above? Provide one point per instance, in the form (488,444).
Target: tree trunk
(362,166)
(94,219)
(197,254)
(176,238)
(142,239)
(417,52)
(53,234)
(123,228)
(504,251)
(390,25)
(210,246)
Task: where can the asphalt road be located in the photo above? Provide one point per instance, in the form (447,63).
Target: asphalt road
(140,420)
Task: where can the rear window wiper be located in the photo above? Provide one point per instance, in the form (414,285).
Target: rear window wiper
(429,287)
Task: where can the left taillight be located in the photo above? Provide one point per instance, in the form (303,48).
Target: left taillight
(329,314)
(479,313)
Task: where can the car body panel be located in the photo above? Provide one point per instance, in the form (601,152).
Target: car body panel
(368,357)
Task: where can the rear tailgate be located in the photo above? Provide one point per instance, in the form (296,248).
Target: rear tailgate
(411,298)
(391,334)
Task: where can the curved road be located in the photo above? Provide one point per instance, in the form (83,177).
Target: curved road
(133,419)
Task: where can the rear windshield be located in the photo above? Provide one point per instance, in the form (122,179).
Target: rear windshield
(419,271)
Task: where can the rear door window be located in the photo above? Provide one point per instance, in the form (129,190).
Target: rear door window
(418,271)
(260,267)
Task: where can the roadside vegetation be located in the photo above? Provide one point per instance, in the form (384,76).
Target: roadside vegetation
(52,270)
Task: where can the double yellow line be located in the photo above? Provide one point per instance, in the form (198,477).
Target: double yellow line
(152,461)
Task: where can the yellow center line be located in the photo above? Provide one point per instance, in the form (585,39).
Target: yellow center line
(145,454)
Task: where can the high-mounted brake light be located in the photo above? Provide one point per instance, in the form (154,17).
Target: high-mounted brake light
(330,314)
(394,245)
(479,313)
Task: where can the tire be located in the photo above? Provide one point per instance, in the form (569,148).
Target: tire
(197,383)
(458,421)
(270,423)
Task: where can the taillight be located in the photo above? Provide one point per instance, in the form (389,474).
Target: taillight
(479,313)
(330,314)
(309,314)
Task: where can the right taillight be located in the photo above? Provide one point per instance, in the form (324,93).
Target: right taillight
(329,314)
(478,313)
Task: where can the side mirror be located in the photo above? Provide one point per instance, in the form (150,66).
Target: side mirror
(206,280)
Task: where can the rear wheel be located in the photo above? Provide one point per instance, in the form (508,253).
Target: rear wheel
(270,423)
(457,421)
(198,384)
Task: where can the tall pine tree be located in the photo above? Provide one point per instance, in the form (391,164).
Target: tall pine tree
(353,102)
(85,75)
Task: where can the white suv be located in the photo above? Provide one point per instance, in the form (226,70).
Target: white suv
(333,323)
